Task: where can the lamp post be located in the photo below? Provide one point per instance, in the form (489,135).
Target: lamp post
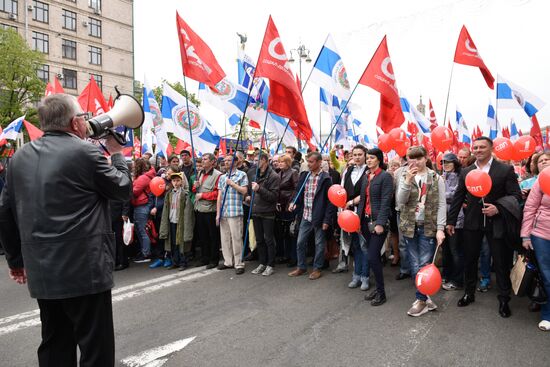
(301,52)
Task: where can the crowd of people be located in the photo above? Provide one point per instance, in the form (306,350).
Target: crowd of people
(408,207)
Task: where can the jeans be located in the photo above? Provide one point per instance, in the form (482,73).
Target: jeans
(542,253)
(263,228)
(360,256)
(421,251)
(141,214)
(485,260)
(405,266)
(320,243)
(374,243)
(453,257)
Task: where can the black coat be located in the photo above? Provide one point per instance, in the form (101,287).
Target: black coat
(265,199)
(54,215)
(287,187)
(381,194)
(505,183)
(323,211)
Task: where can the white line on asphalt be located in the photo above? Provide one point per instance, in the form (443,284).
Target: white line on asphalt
(149,358)
(134,292)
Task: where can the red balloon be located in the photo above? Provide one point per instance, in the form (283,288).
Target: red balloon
(399,136)
(428,280)
(349,221)
(337,195)
(402,147)
(525,146)
(157,186)
(385,142)
(504,148)
(442,138)
(544,181)
(478,183)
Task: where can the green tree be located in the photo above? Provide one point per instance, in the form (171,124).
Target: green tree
(19,83)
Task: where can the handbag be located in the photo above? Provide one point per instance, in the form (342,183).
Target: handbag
(522,276)
(127,232)
(151,231)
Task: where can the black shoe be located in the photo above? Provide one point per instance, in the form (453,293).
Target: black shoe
(326,265)
(402,276)
(182,267)
(121,267)
(504,309)
(466,300)
(239,271)
(281,260)
(291,264)
(223,267)
(211,266)
(534,307)
(371,295)
(380,299)
(251,256)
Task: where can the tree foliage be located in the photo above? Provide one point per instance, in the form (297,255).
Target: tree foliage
(19,83)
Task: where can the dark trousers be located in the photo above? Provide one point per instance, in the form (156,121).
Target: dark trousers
(374,246)
(121,256)
(157,250)
(178,258)
(502,262)
(86,321)
(209,237)
(453,258)
(264,231)
(286,243)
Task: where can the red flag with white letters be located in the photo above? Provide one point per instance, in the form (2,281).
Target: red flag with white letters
(535,132)
(466,53)
(433,119)
(197,60)
(92,100)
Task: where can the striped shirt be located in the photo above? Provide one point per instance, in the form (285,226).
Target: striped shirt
(309,195)
(233,206)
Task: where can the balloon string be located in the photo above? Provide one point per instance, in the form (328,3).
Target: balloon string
(435,254)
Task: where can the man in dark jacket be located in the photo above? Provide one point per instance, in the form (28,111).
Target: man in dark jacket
(316,212)
(56,228)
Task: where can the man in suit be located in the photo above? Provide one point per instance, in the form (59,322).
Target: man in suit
(479,217)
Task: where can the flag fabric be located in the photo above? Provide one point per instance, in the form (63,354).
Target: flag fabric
(285,96)
(506,132)
(197,60)
(535,132)
(329,72)
(54,88)
(343,132)
(154,127)
(186,122)
(181,146)
(49,90)
(110,102)
(222,150)
(12,130)
(514,133)
(433,119)
(466,53)
(92,100)
(229,97)
(414,116)
(379,76)
(462,128)
(494,126)
(412,129)
(33,131)
(476,133)
(547,138)
(510,95)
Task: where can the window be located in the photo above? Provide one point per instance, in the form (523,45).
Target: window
(41,42)
(69,78)
(95,55)
(95,27)
(7,26)
(68,49)
(69,20)
(99,80)
(95,4)
(41,12)
(8,6)
(43,73)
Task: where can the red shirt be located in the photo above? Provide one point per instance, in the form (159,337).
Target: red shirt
(367,191)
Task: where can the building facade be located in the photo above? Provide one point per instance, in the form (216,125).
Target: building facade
(79,39)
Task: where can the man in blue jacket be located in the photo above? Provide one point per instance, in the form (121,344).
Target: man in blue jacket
(316,212)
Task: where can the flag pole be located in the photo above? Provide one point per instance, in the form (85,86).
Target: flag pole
(189,124)
(281,141)
(449,91)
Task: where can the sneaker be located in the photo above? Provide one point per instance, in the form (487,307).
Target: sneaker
(450,286)
(156,264)
(259,270)
(544,325)
(431,304)
(365,283)
(484,285)
(418,308)
(341,268)
(268,271)
(355,281)
(141,259)
(167,263)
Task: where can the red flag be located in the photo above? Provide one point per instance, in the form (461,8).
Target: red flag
(91,99)
(222,148)
(254,124)
(34,132)
(197,60)
(110,102)
(535,131)
(3,141)
(379,76)
(427,143)
(467,54)
(547,142)
(413,130)
(433,119)
(285,97)
(49,90)
(506,132)
(58,88)
(180,146)
(169,150)
(137,148)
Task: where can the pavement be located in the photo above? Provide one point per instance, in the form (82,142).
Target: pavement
(205,317)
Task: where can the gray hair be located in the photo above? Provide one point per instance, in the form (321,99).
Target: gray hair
(56,111)
(240,155)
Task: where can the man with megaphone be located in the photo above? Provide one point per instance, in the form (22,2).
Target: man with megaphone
(55,226)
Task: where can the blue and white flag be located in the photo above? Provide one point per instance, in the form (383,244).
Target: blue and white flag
(463,132)
(174,109)
(343,132)
(329,72)
(494,126)
(510,95)
(154,127)
(514,133)
(414,116)
(12,130)
(230,97)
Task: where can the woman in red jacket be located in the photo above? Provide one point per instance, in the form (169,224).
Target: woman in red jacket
(143,174)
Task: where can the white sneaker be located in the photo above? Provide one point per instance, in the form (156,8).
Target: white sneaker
(544,325)
(365,283)
(355,281)
(268,271)
(418,308)
(431,304)
(259,270)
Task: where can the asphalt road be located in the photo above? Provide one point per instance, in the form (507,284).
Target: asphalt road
(250,320)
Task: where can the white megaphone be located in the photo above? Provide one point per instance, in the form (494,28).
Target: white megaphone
(126,111)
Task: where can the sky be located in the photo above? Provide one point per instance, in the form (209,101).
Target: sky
(511,37)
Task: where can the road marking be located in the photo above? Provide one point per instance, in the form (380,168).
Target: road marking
(154,357)
(121,294)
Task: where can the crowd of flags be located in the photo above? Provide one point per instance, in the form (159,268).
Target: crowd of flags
(268,95)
